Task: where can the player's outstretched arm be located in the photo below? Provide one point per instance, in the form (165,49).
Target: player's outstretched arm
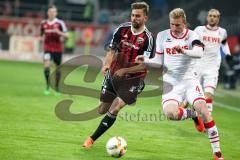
(138,68)
(196,51)
(63,34)
(108,61)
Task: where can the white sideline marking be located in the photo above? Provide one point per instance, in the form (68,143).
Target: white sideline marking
(222,105)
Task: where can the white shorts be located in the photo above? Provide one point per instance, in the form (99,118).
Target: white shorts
(189,90)
(209,78)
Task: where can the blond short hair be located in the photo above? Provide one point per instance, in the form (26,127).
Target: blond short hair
(216,11)
(177,13)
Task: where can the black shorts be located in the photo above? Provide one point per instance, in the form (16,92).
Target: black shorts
(56,57)
(126,89)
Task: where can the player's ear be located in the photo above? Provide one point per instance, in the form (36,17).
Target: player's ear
(145,18)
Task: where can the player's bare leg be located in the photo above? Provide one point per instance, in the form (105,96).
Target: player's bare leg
(47,64)
(106,122)
(201,107)
(174,112)
(103,108)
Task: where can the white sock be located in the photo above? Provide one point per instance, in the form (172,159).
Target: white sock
(213,137)
(186,113)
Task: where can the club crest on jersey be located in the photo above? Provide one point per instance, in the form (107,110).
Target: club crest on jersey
(140,40)
(125,36)
(45,26)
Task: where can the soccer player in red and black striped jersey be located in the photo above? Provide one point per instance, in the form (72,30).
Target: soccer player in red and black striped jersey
(53,30)
(123,76)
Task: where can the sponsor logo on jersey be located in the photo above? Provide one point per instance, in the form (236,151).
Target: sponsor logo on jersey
(128,44)
(211,39)
(173,51)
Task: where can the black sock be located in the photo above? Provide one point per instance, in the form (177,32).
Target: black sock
(105,124)
(46,74)
(58,76)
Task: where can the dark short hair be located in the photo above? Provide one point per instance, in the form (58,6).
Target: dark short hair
(51,6)
(141,5)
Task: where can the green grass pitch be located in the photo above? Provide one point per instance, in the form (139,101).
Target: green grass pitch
(30,130)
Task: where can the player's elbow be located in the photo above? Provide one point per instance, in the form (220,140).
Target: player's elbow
(196,52)
(200,53)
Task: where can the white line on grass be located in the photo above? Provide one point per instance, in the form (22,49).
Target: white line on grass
(226,106)
(222,105)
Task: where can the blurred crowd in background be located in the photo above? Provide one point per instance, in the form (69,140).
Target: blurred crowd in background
(100,17)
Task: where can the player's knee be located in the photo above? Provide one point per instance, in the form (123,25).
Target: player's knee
(102,111)
(208,95)
(201,107)
(103,108)
(170,112)
(116,106)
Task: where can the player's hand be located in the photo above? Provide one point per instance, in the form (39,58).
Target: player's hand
(179,49)
(56,30)
(139,59)
(104,69)
(119,73)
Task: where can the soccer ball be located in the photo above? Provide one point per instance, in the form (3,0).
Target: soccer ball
(116,146)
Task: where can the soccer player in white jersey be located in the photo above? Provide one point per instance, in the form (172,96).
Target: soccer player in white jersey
(177,49)
(213,37)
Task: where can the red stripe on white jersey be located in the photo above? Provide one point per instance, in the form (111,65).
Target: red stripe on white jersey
(185,34)
(171,100)
(210,87)
(197,99)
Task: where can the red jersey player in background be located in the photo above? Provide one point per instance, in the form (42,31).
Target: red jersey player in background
(52,32)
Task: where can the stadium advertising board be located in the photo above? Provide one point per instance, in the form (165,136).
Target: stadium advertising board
(30,27)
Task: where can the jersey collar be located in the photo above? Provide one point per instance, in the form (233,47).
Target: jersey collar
(212,28)
(139,31)
(183,36)
(52,22)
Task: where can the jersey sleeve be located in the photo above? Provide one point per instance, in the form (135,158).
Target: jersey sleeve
(63,26)
(148,47)
(158,59)
(224,41)
(197,30)
(159,42)
(41,29)
(224,44)
(115,38)
(194,40)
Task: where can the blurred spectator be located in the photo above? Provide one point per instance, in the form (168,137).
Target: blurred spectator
(232,66)
(104,16)
(159,8)
(202,16)
(7,8)
(88,10)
